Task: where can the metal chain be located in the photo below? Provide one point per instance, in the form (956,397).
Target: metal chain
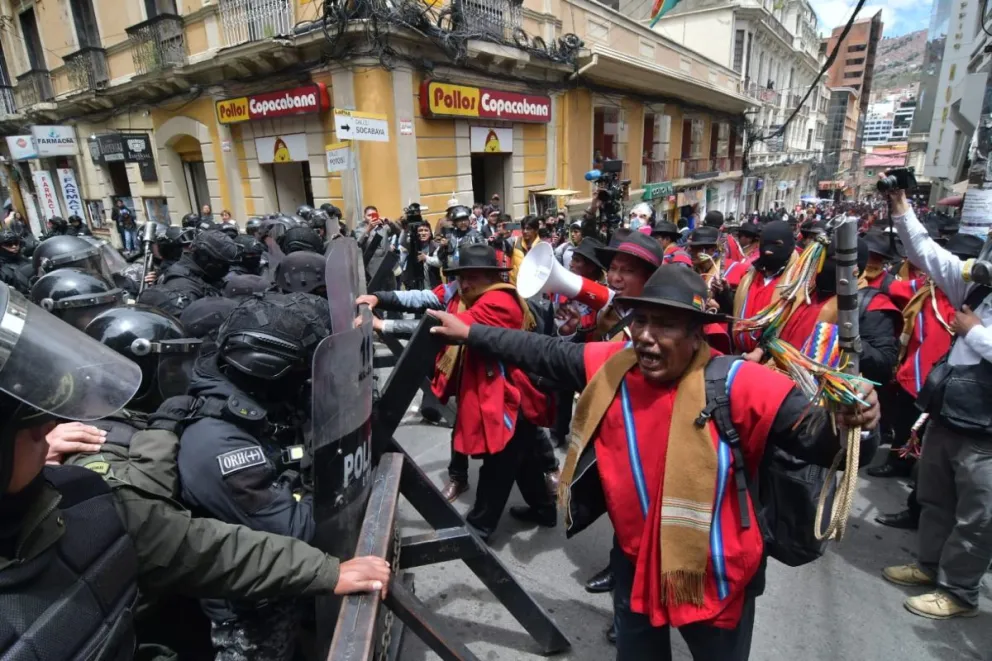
(387,619)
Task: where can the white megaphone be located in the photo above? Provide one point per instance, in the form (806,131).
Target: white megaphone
(540,273)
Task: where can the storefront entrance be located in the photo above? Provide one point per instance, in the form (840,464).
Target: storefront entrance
(292,185)
(489,175)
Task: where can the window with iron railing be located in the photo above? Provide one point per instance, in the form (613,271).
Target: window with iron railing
(157,44)
(494,18)
(609,135)
(253,20)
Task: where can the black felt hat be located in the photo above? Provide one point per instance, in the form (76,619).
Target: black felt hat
(475,257)
(675,286)
(666,228)
(587,248)
(634,244)
(883,244)
(749,229)
(704,236)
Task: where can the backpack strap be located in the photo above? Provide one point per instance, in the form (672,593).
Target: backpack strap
(719,375)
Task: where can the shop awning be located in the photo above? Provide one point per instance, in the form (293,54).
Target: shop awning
(556,192)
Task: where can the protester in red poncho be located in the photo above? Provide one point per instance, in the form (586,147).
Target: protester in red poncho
(683,556)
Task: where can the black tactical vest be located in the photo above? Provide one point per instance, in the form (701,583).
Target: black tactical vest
(960,396)
(74,600)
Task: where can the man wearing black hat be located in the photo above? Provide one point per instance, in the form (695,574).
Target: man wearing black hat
(564,251)
(658,470)
(667,235)
(498,406)
(882,252)
(630,259)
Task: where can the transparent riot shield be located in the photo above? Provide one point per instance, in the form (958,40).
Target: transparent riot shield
(345,280)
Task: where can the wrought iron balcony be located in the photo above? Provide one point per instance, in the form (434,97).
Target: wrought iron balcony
(87,69)
(492,19)
(254,20)
(7,105)
(33,87)
(157,44)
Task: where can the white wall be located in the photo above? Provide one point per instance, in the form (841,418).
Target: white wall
(709,33)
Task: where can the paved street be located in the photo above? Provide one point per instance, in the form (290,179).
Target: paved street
(837,608)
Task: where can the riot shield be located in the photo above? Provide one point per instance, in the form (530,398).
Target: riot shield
(343,276)
(113,261)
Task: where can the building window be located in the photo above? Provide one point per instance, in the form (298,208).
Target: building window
(738,50)
(657,132)
(32,40)
(857,48)
(155,8)
(692,138)
(85,22)
(854,60)
(609,134)
(853,74)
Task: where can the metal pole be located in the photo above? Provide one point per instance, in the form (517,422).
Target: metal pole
(846,246)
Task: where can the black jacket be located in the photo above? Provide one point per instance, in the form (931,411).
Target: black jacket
(564,362)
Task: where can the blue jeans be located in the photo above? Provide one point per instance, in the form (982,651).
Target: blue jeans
(130,239)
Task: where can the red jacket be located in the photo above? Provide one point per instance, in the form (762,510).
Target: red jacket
(927,342)
(490,394)
(756,395)
(803,320)
(759,296)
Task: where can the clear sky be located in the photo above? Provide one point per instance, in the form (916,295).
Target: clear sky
(899,16)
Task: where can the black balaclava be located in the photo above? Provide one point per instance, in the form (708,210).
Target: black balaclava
(775,230)
(826,279)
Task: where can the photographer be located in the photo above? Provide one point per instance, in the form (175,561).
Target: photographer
(955,470)
(371,225)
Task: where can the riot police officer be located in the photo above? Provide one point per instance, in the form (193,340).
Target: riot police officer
(239,457)
(169,246)
(304,211)
(94,534)
(301,238)
(252,251)
(56,226)
(199,273)
(15,269)
(253,224)
(77,227)
(230,228)
(76,296)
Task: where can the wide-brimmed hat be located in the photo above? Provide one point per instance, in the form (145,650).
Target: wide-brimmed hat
(675,286)
(587,249)
(749,229)
(475,257)
(882,244)
(967,246)
(635,244)
(704,236)
(666,228)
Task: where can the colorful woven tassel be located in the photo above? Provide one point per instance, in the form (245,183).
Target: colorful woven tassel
(822,346)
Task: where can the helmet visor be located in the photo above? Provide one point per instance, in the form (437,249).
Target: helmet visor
(57,369)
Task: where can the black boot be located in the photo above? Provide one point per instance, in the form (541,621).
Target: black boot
(601,582)
(891,468)
(546,518)
(904,520)
(611,634)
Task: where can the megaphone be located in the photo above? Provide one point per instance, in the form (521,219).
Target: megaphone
(540,273)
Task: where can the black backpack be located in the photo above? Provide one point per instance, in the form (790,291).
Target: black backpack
(787,489)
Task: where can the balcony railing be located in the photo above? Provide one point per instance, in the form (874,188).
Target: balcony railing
(495,19)
(7,105)
(689,166)
(87,69)
(655,171)
(33,87)
(254,20)
(157,44)
(762,93)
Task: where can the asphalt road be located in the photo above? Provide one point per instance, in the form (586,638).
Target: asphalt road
(836,608)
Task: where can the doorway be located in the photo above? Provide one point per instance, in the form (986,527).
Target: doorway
(292,184)
(489,174)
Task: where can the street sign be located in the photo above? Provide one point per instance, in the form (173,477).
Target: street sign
(338,156)
(354,125)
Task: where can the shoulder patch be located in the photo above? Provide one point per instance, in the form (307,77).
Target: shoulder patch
(240,459)
(97,464)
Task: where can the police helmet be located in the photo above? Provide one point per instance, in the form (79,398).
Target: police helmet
(459,212)
(304,211)
(331,210)
(301,272)
(230,228)
(156,342)
(76,296)
(58,222)
(253,225)
(214,252)
(206,225)
(245,284)
(318,220)
(56,373)
(67,251)
(273,337)
(191,220)
(203,317)
(75,219)
(275,226)
(9,237)
(251,252)
(301,238)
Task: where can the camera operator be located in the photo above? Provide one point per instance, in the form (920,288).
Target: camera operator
(488,225)
(955,470)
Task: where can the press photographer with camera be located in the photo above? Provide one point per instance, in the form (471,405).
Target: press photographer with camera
(955,470)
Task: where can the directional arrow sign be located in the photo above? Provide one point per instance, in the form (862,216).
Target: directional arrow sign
(354,125)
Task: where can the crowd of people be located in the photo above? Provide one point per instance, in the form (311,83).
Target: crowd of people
(178,373)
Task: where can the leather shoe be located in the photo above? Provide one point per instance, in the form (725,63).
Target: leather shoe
(453,489)
(889,469)
(601,582)
(611,634)
(547,519)
(904,520)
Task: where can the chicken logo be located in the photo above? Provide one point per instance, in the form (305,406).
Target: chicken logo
(492,143)
(280,152)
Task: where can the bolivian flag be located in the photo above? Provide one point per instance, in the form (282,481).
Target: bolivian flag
(660,8)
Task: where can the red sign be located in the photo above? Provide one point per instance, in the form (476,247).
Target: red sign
(304,100)
(447,100)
